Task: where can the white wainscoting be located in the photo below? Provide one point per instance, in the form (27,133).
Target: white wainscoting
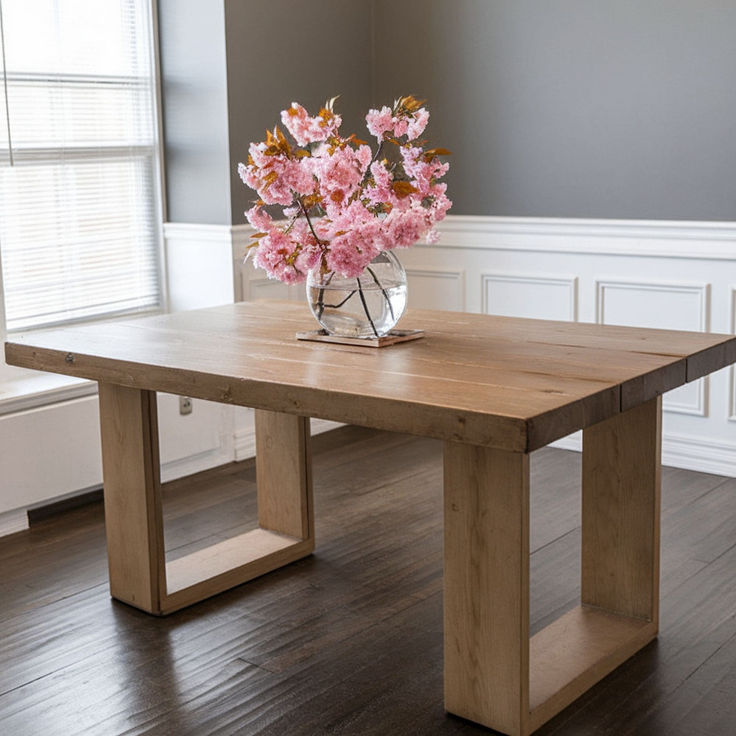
(536,296)
(664,274)
(676,275)
(673,305)
(443,288)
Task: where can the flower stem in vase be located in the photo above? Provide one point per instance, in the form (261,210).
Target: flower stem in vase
(383,291)
(365,306)
(337,306)
(321,296)
(322,305)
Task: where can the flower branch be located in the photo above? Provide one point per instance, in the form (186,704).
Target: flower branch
(365,204)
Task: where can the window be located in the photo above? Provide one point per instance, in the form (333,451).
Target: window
(79,193)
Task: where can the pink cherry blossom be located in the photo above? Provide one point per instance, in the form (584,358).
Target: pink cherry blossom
(440,205)
(422,173)
(364,156)
(432,237)
(401,126)
(306,129)
(380,192)
(404,228)
(417,124)
(259,219)
(276,254)
(379,122)
(299,176)
(308,258)
(353,216)
(339,176)
(342,203)
(350,253)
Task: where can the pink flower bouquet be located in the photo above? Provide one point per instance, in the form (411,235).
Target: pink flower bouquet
(343,202)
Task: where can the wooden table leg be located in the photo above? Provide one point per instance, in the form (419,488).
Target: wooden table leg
(132,490)
(621,510)
(487,586)
(284,474)
(496,675)
(139,574)
(619,608)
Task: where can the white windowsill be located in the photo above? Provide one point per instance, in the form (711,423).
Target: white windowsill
(23,388)
(31,389)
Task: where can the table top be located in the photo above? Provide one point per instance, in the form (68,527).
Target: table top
(504,382)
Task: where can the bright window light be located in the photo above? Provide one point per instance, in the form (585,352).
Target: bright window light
(79,212)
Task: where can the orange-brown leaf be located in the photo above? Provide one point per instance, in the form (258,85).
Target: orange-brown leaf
(276,143)
(411,103)
(352,138)
(433,152)
(311,200)
(403,189)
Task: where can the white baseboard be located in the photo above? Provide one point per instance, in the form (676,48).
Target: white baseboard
(13,521)
(701,454)
(681,451)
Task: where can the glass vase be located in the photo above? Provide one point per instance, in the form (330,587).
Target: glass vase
(367,306)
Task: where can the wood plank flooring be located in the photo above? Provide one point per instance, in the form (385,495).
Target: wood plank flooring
(349,640)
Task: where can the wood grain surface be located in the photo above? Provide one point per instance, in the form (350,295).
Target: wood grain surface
(502,382)
(486,587)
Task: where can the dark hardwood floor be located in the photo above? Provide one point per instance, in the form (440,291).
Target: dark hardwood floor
(349,640)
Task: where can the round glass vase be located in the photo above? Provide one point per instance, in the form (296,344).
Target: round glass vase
(367,306)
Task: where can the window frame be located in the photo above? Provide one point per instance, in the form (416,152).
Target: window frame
(26,396)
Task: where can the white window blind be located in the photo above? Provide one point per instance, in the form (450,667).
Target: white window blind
(79,204)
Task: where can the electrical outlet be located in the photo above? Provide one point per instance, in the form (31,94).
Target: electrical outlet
(185,405)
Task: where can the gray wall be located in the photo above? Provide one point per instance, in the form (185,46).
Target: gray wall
(194,92)
(561,108)
(282,51)
(573,108)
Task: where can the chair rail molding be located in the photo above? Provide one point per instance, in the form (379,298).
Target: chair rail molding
(638,238)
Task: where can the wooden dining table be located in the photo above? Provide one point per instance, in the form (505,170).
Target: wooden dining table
(494,389)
